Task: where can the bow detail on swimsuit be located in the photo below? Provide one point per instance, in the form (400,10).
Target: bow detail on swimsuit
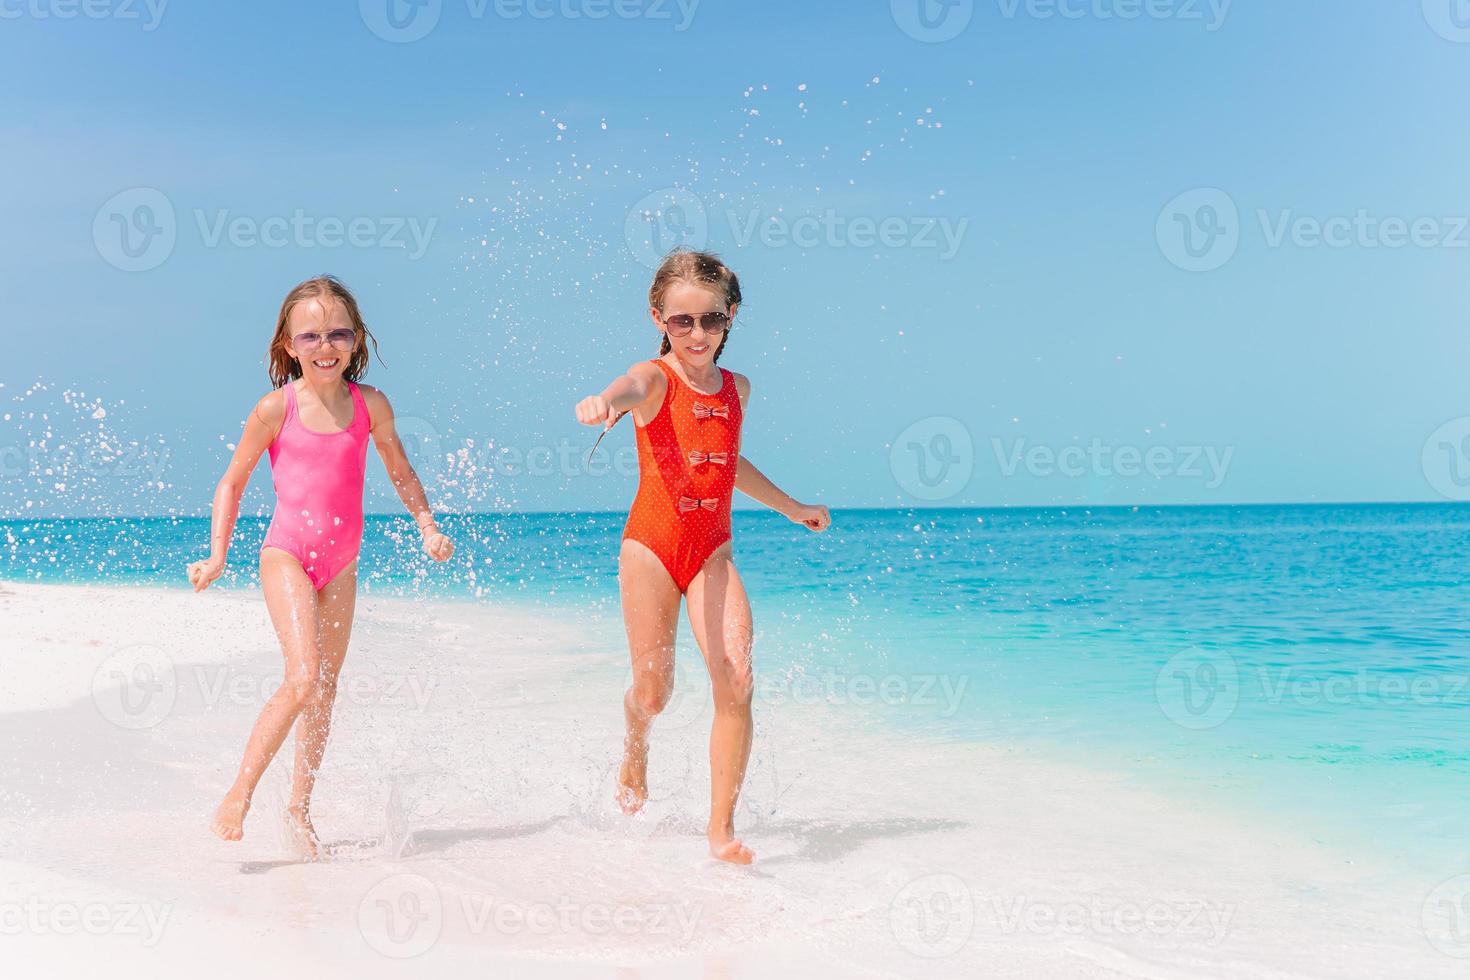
(702,411)
(686,504)
(719,459)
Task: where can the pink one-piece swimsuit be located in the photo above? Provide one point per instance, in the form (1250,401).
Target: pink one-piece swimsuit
(318,478)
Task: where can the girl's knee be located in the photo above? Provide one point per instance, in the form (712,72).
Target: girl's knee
(302,684)
(650,699)
(739,647)
(738,678)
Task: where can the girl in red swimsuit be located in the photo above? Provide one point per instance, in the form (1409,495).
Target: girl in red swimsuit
(676,544)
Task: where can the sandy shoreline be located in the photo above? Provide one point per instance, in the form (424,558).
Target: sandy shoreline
(467,800)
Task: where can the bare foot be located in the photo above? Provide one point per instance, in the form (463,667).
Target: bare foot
(302,831)
(725,846)
(229,819)
(632,790)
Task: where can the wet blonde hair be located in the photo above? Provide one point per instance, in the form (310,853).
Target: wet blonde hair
(699,269)
(282,367)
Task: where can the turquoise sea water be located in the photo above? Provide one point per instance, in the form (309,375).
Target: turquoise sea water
(1307,664)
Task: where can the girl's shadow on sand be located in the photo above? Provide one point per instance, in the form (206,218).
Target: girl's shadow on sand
(818,841)
(419,842)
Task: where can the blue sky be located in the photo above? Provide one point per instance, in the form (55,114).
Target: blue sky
(965,261)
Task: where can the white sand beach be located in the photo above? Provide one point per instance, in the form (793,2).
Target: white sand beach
(466,799)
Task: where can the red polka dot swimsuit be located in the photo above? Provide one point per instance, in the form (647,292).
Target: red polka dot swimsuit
(687,457)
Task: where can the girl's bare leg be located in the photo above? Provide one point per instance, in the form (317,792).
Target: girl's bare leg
(336,605)
(719,611)
(651,617)
(292,602)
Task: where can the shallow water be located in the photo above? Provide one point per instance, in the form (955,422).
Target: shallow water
(1306,663)
(466,804)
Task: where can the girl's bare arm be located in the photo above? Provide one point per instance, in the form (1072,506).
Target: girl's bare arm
(401,473)
(260,431)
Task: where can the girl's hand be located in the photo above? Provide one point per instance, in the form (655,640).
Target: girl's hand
(815,516)
(203,573)
(595,410)
(437,546)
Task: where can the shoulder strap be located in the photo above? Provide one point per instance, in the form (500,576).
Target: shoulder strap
(290,388)
(669,376)
(359,407)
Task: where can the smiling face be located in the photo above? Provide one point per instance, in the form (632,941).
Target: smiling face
(697,348)
(317,327)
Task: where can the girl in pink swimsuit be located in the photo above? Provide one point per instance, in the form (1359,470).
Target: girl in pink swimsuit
(316,425)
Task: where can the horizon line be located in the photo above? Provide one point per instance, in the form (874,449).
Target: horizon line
(762,510)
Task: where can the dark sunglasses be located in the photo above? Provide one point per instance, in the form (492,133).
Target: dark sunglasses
(343,340)
(681,324)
